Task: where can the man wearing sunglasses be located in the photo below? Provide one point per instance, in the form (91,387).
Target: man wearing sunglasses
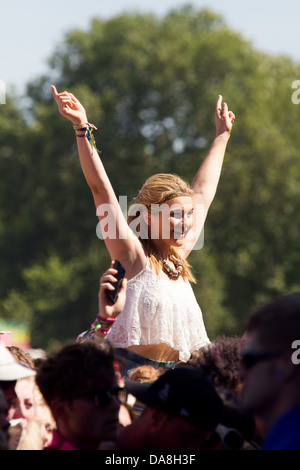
(270,374)
(79,385)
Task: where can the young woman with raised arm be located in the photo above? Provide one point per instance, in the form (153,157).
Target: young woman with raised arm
(161,322)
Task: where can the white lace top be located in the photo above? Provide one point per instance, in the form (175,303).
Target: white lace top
(159,310)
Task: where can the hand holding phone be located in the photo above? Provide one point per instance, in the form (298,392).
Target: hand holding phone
(113,294)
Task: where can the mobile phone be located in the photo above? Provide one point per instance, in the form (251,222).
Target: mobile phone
(113,294)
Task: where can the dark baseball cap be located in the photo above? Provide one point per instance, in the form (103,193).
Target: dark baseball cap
(182,392)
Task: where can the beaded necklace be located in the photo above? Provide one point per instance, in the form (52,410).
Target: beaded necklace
(171,272)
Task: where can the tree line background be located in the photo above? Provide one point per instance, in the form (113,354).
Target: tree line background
(150,85)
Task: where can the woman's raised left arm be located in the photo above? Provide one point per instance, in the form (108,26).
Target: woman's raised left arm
(206,180)
(207,177)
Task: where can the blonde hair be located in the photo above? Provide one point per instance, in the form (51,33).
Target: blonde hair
(145,373)
(157,190)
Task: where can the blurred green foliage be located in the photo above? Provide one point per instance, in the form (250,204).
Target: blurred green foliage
(150,86)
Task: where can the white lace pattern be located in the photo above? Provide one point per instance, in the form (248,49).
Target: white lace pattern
(159,310)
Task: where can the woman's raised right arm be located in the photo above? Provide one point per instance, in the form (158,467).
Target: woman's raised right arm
(122,244)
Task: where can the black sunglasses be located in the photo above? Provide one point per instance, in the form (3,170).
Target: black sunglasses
(249,359)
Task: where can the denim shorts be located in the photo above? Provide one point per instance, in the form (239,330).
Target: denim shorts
(133,360)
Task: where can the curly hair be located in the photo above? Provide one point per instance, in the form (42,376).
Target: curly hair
(75,371)
(220,361)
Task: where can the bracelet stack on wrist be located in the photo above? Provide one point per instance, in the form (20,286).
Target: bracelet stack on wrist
(102,325)
(87,128)
(85,125)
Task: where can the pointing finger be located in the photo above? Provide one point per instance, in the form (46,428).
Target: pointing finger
(219,103)
(55,93)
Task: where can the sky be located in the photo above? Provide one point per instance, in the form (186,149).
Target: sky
(31,30)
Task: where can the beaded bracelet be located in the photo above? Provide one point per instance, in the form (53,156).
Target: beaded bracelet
(98,327)
(103,325)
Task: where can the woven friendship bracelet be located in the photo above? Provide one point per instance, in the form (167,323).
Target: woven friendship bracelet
(97,326)
(86,125)
(88,128)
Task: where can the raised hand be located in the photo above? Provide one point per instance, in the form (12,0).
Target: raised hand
(69,106)
(224,119)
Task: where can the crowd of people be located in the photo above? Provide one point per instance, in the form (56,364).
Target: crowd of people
(145,375)
(233,394)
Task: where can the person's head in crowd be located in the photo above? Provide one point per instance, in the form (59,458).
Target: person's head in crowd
(22,407)
(39,432)
(10,372)
(182,410)
(220,361)
(145,373)
(79,385)
(270,370)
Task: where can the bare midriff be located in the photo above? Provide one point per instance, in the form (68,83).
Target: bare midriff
(157,352)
